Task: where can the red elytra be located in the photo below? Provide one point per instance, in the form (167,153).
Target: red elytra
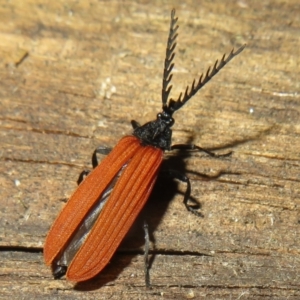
(126,200)
(100,212)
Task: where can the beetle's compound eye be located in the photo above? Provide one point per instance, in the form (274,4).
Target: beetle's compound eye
(166,118)
(170,122)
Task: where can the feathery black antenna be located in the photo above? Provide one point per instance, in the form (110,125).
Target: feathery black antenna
(189,93)
(171,45)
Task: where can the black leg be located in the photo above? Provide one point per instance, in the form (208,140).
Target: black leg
(100,150)
(182,177)
(195,147)
(82,175)
(146,255)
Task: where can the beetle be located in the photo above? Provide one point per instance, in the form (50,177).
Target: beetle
(100,212)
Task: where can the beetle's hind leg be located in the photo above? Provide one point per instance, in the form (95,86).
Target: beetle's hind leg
(100,150)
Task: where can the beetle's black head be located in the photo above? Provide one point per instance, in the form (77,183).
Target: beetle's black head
(158,133)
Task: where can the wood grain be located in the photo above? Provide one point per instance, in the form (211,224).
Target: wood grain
(73,75)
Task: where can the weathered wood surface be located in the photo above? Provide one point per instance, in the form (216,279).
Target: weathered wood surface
(74,73)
